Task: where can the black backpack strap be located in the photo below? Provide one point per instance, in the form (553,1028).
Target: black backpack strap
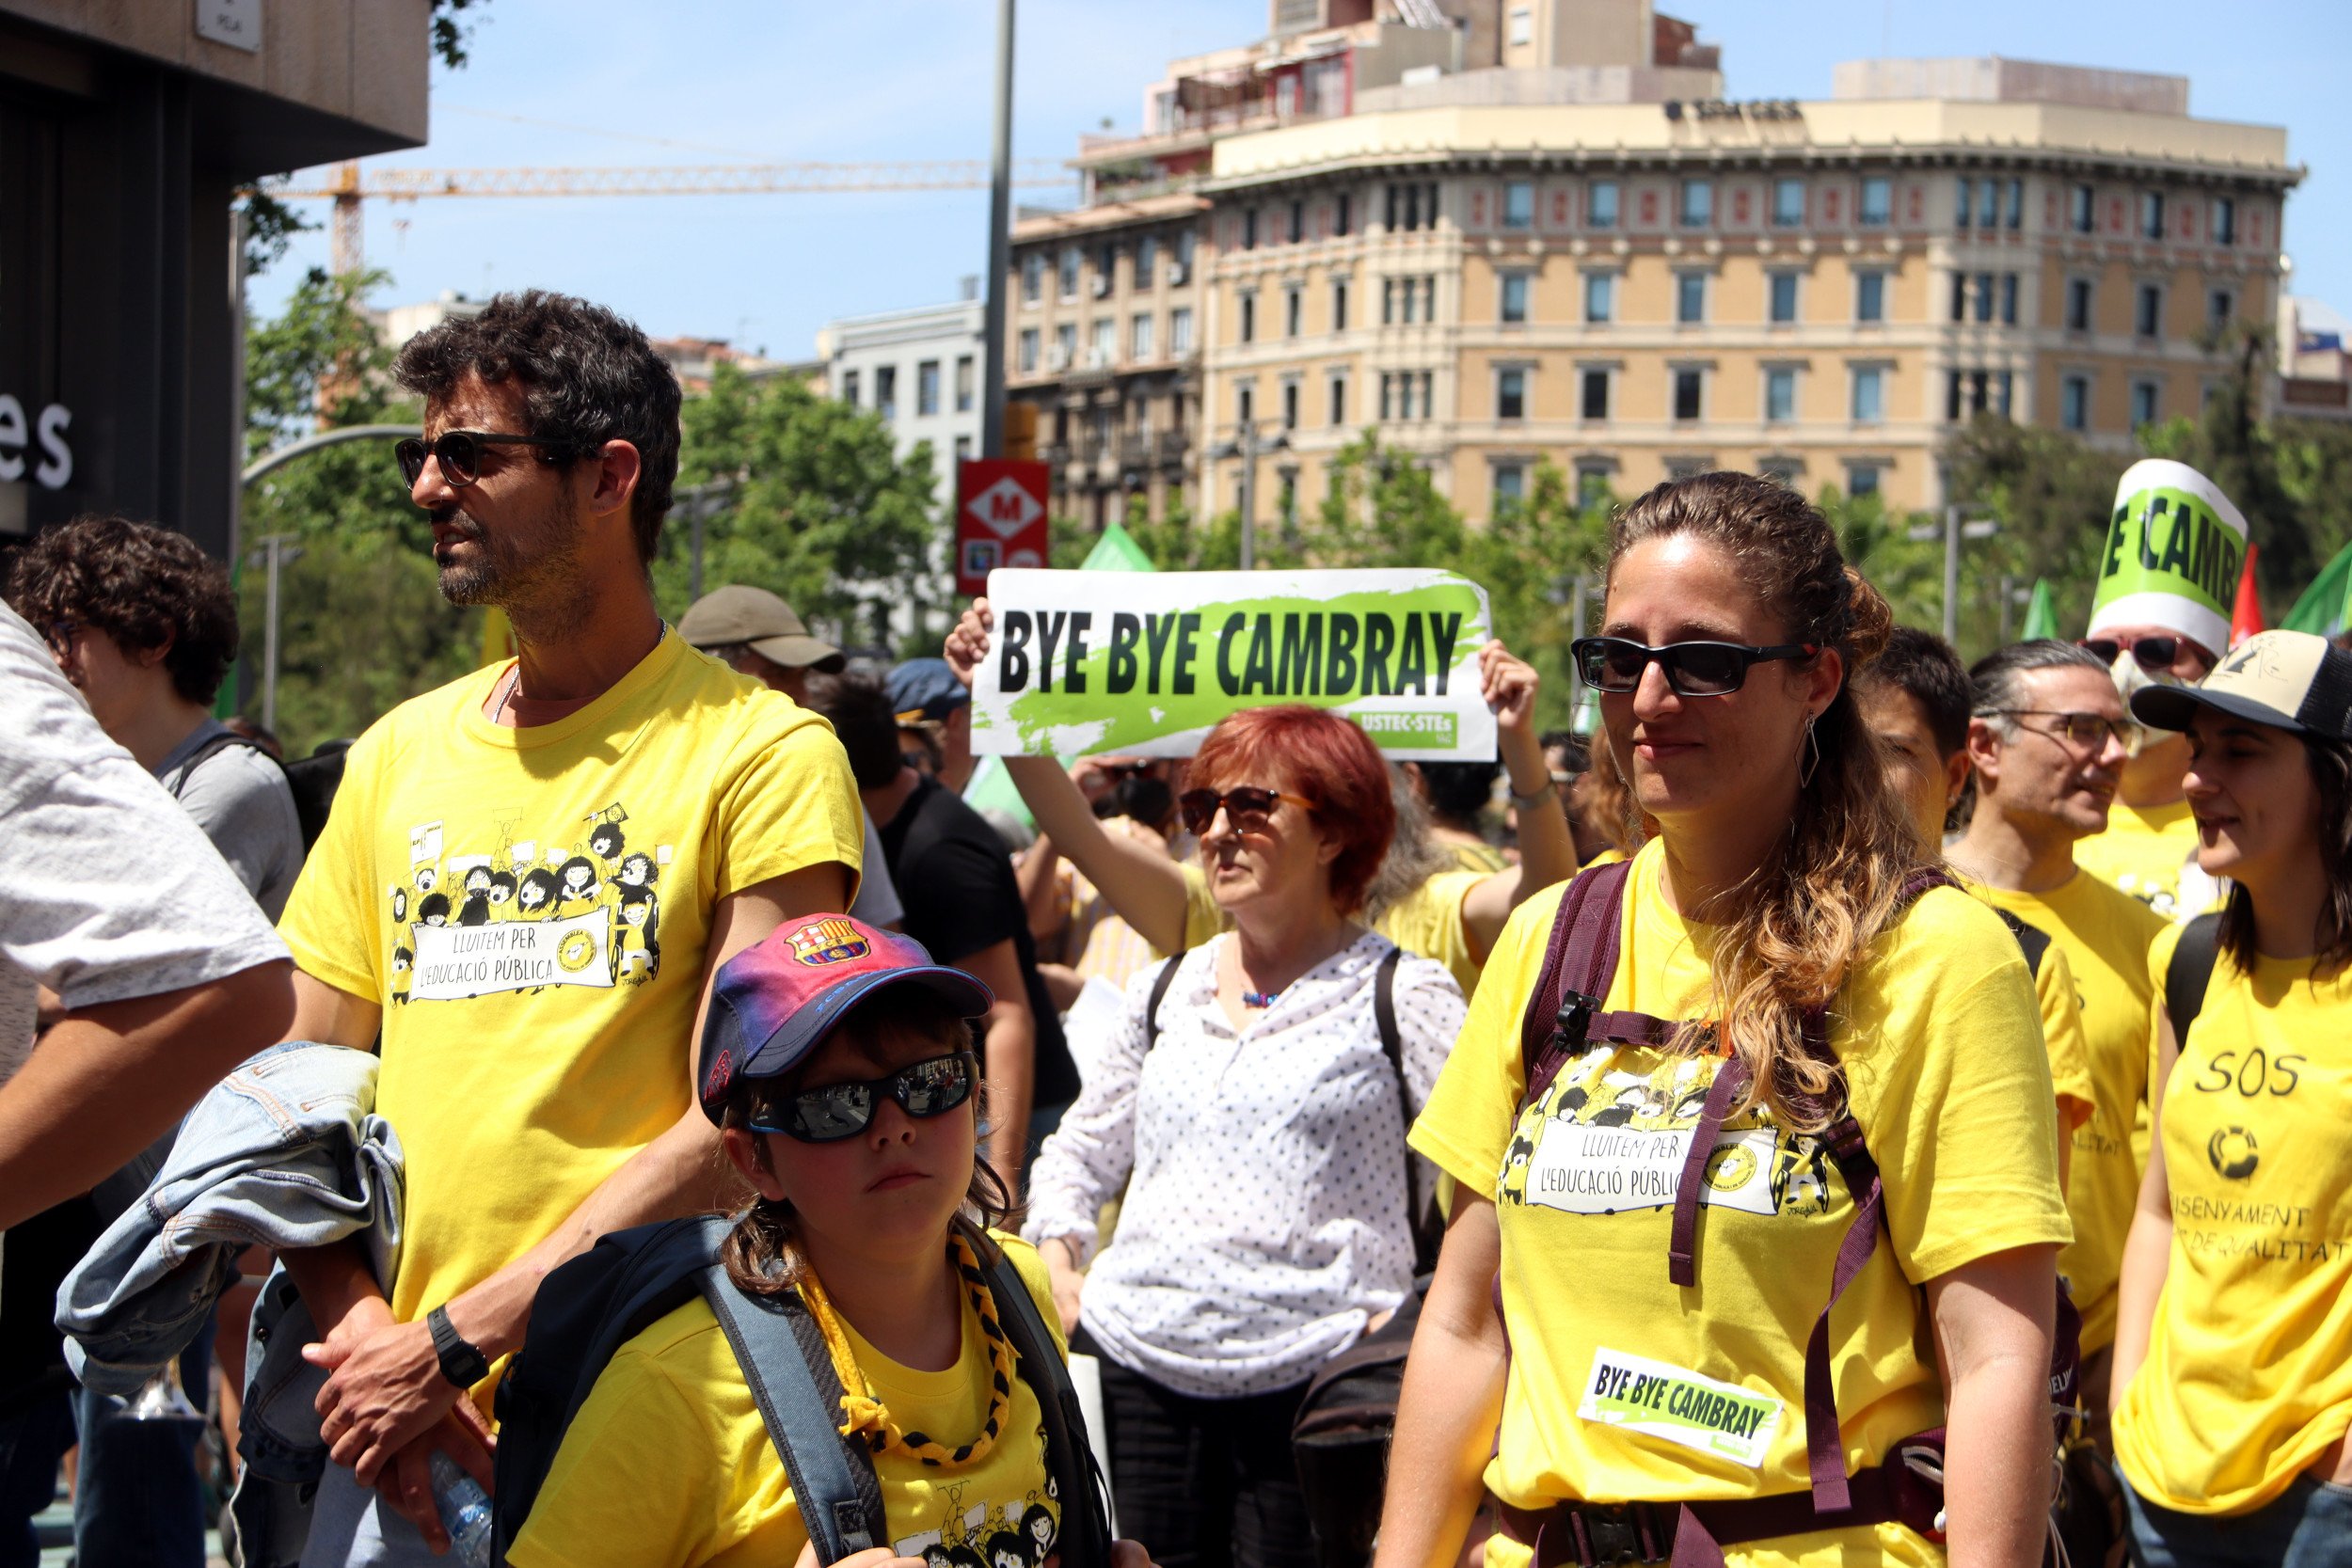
(2032,938)
(1427,1228)
(2190,971)
(1085,1535)
(1160,982)
(1561,1015)
(791,1374)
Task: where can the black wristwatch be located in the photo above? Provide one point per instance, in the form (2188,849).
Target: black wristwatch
(462,1363)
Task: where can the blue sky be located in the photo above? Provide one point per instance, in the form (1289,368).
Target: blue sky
(596,82)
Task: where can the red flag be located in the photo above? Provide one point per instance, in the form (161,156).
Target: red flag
(2246,616)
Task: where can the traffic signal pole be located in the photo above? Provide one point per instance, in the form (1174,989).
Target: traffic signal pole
(999,245)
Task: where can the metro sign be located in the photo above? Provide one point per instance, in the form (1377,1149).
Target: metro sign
(1000,518)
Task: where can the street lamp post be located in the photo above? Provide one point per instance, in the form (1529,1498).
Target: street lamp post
(1246,446)
(1953,529)
(999,245)
(277,551)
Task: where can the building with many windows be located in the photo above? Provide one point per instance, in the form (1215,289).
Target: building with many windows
(1505,266)
(920,371)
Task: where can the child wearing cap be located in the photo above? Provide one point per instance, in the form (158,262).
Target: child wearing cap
(839,1064)
(2233,1340)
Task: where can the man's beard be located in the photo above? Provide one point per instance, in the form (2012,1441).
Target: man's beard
(520,563)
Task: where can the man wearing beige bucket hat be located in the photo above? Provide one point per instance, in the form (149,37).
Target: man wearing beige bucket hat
(756,634)
(2167,575)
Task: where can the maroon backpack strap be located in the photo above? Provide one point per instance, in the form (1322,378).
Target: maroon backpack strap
(1731,1083)
(1585,937)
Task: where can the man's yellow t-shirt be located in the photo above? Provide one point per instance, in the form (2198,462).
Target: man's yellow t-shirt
(2144,852)
(668,1462)
(1624,1386)
(1426,922)
(2248,1376)
(2106,934)
(526,1058)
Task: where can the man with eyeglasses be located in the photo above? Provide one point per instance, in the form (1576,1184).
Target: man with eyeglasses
(537,1054)
(2046,743)
(2156,620)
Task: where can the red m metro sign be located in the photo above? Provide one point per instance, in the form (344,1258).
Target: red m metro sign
(1000,518)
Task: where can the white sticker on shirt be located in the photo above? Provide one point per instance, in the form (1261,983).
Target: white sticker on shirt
(455,962)
(1680,1406)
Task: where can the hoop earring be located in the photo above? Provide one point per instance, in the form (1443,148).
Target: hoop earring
(1808,757)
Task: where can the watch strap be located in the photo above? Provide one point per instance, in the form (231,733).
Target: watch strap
(462,1362)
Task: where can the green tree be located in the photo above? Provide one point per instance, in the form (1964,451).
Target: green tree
(2051,493)
(809,501)
(363,625)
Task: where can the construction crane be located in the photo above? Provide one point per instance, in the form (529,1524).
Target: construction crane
(343,184)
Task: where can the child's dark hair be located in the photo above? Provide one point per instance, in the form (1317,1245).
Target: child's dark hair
(759,1253)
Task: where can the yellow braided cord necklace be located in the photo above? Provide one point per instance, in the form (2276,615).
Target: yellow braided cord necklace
(865,1412)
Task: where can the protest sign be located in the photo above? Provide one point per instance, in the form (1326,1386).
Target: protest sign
(1143,664)
(2173,547)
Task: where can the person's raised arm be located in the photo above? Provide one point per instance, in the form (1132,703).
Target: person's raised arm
(1992,1319)
(1009,1051)
(2148,1248)
(1036,870)
(1452,1399)
(1547,846)
(1142,885)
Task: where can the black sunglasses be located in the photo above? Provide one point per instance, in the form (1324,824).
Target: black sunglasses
(2154,653)
(1249,809)
(827,1115)
(459,452)
(1614,664)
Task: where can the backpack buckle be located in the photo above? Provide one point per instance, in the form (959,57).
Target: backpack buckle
(1575,1017)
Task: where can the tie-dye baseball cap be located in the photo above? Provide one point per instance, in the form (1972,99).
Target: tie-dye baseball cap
(774,1002)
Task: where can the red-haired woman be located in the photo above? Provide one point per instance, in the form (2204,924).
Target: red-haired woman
(1257,1123)
(1630,1340)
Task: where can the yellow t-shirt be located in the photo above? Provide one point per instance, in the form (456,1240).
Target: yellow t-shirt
(1426,922)
(668,1462)
(526,1059)
(2106,935)
(2056,995)
(1944,1060)
(2248,1376)
(1485,859)
(2144,851)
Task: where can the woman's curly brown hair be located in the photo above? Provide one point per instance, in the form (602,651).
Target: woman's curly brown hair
(145,587)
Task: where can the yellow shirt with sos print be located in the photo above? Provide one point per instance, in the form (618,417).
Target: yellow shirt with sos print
(1624,1386)
(2248,1376)
(669,1464)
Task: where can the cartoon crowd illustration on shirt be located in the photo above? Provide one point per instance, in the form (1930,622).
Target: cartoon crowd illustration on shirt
(532,913)
(1019,1532)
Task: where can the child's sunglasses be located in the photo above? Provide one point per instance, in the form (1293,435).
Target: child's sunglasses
(1248,808)
(837,1111)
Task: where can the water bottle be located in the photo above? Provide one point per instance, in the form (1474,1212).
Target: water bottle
(465,1509)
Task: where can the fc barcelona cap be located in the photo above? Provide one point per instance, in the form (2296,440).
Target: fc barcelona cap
(775,1002)
(2291,680)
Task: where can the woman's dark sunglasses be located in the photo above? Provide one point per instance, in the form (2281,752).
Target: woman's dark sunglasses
(837,1111)
(458,452)
(1616,664)
(2157,655)
(1249,809)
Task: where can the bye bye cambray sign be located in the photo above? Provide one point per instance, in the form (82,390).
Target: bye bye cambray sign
(1145,663)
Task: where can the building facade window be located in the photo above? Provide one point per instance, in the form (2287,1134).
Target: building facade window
(1984,296)
(1179,266)
(1245,404)
(1960,296)
(1510,485)
(1869,296)
(1342,213)
(1695,208)
(2009,299)
(2151,215)
(1102,343)
(1877,209)
(963,384)
(1147,259)
(1180,330)
(1028,350)
(2223,220)
(1592,393)
(1869,394)
(1600,204)
(1592,482)
(1518,204)
(964,448)
(1294,309)
(2148,311)
(2074,402)
(1297,229)
(849,384)
(1783,293)
(1522,31)
(1139,337)
(1963,197)
(2079,305)
(1411,206)
(1289,403)
(2221,305)
(1068,280)
(1246,323)
(1514,298)
(1105,270)
(1065,345)
(1861,479)
(1337,387)
(1780,394)
(886,392)
(2004,390)
(2012,204)
(2083,210)
(1690,298)
(1338,305)
(1249,229)
(1032,277)
(1788,204)
(1511,393)
(2144,395)
(1600,297)
(1686,384)
(1988,204)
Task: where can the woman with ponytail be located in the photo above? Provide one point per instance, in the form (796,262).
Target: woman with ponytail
(1664,1184)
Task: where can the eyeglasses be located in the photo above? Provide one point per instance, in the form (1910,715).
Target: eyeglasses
(60,634)
(459,452)
(2082,732)
(2156,654)
(836,1110)
(1614,664)
(1247,809)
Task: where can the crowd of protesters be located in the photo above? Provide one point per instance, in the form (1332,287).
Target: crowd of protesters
(1841,1105)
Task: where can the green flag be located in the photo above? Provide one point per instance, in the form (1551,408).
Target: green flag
(2040,616)
(1117,551)
(2326,607)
